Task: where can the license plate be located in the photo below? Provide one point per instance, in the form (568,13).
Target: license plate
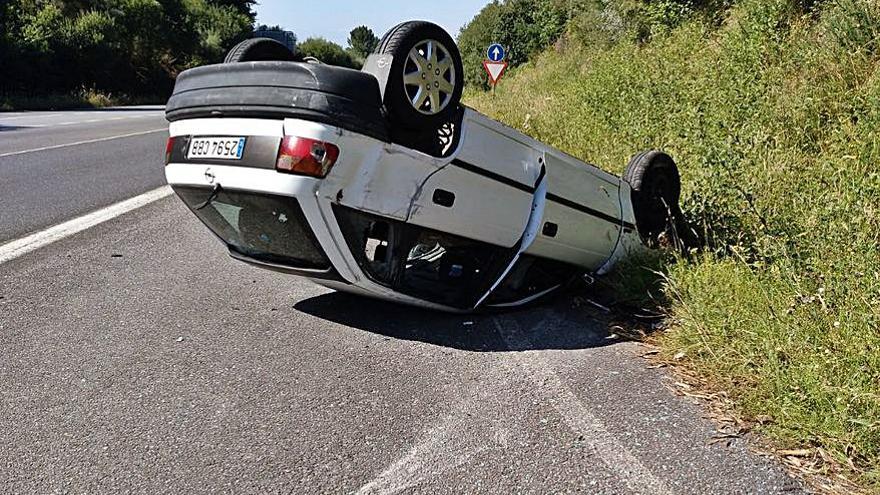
(218,148)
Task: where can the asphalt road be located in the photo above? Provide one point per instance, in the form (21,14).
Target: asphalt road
(59,165)
(135,356)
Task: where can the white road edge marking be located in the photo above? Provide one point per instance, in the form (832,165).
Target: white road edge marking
(25,245)
(444,447)
(441,450)
(448,444)
(110,138)
(578,417)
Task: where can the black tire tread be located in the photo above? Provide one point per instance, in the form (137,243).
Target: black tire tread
(400,33)
(396,41)
(236,52)
(635,170)
(253,46)
(638,166)
(647,201)
(380,48)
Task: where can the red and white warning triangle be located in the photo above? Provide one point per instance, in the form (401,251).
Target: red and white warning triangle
(495,70)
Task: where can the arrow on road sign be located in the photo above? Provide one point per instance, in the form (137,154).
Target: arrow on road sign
(495,53)
(495,70)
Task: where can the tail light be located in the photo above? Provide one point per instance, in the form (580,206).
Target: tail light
(169,147)
(306,156)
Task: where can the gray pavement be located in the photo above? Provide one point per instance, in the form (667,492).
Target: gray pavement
(27,131)
(137,357)
(40,187)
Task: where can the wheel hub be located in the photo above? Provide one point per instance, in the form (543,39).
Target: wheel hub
(429,77)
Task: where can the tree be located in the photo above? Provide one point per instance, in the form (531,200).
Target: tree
(134,47)
(524,27)
(362,41)
(245,7)
(326,51)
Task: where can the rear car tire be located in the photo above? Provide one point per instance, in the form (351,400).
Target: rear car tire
(259,50)
(426,75)
(656,188)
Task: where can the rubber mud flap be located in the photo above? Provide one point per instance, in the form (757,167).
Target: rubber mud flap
(330,95)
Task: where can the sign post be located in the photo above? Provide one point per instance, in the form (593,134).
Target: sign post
(495,64)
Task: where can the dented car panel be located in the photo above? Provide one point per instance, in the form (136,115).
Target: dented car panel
(402,225)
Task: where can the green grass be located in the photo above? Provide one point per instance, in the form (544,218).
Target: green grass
(774,119)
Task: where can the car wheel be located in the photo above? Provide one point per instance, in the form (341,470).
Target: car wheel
(426,77)
(258,50)
(656,187)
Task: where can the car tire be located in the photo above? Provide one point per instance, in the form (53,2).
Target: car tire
(656,188)
(343,98)
(259,50)
(438,67)
(380,47)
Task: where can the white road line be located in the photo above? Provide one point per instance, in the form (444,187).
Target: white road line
(459,437)
(92,121)
(46,148)
(577,415)
(25,245)
(88,114)
(28,116)
(443,448)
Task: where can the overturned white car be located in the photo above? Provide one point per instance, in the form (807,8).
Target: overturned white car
(380,182)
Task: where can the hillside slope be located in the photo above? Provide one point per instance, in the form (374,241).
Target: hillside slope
(773,116)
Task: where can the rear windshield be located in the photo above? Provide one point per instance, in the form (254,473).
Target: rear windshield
(263,227)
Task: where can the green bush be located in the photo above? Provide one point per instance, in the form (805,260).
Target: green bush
(113,46)
(773,113)
(327,52)
(854,25)
(219,28)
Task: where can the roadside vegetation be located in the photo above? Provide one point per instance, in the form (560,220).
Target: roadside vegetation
(58,54)
(525,27)
(772,110)
(328,52)
(114,47)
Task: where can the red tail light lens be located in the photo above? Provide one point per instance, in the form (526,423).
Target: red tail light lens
(306,156)
(169,147)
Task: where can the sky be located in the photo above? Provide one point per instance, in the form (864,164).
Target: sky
(334,19)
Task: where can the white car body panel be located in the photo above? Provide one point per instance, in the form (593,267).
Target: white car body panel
(507,187)
(496,213)
(499,149)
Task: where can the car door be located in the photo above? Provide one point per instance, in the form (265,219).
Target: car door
(485,193)
(582,217)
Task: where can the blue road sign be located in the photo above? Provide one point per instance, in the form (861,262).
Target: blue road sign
(495,53)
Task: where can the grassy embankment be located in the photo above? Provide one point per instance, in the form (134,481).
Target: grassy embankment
(774,118)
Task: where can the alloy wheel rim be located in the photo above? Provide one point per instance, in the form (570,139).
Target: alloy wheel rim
(429,77)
